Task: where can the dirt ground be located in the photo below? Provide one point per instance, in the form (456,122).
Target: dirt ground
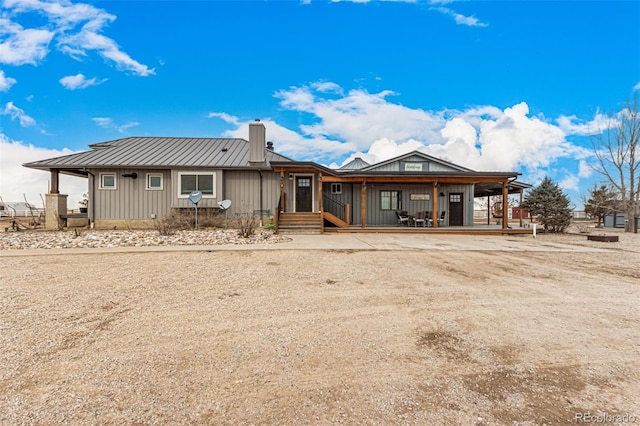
(321,337)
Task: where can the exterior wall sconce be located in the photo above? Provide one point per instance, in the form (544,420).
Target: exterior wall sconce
(319,178)
(133,175)
(290,176)
(441,194)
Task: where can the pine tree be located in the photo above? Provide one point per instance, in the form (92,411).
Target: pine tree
(550,205)
(602,201)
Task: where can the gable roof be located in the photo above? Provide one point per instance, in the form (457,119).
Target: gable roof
(160,152)
(421,155)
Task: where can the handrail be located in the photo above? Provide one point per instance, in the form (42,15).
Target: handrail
(334,207)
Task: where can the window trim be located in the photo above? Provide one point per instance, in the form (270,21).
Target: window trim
(398,199)
(148,182)
(179,185)
(336,185)
(115,181)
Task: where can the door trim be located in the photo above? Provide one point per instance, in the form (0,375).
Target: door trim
(295,191)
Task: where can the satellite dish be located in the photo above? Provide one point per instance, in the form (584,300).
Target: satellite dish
(195,197)
(224,204)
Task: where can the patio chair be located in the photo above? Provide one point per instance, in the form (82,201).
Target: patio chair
(428,219)
(403,218)
(441,218)
(419,217)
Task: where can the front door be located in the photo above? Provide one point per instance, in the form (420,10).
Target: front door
(456,209)
(304,194)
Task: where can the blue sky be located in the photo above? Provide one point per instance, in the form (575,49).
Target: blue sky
(491,85)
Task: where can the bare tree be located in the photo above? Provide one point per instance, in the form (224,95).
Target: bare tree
(617,152)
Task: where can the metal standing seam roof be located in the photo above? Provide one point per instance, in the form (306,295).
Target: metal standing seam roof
(160,152)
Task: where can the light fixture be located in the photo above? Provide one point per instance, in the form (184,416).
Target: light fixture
(290,176)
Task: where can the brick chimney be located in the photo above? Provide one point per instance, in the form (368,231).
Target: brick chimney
(257,138)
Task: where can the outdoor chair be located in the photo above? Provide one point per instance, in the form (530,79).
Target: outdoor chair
(419,217)
(441,218)
(403,218)
(428,219)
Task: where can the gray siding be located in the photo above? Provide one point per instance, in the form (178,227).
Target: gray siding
(130,199)
(242,187)
(427,166)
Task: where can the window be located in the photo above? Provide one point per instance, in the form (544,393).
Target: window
(203,182)
(336,188)
(390,200)
(455,198)
(304,182)
(154,181)
(107,181)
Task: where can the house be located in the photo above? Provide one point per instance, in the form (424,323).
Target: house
(132,181)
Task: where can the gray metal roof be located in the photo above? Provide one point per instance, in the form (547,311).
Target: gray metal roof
(160,152)
(355,164)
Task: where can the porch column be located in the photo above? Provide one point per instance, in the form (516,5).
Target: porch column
(520,209)
(363,210)
(505,205)
(282,201)
(55,179)
(320,206)
(434,213)
(488,209)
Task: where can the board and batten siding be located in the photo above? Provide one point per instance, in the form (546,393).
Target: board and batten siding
(378,217)
(242,187)
(130,199)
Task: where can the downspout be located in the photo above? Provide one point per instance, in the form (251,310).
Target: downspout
(260,173)
(92,198)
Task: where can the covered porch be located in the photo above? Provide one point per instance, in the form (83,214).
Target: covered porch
(372,202)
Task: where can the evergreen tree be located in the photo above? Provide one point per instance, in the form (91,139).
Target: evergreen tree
(550,205)
(602,201)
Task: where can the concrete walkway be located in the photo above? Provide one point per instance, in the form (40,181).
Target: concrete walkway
(360,241)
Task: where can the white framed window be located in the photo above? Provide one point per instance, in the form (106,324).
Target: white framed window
(336,188)
(204,182)
(154,181)
(107,181)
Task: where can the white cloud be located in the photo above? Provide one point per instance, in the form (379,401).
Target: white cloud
(79,81)
(371,126)
(76,28)
(570,125)
(14,112)
(584,169)
(231,119)
(108,123)
(570,182)
(636,87)
(6,82)
(470,21)
(23,46)
(17,181)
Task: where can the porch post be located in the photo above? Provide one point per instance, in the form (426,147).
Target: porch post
(363,210)
(505,205)
(320,199)
(282,202)
(55,179)
(488,209)
(520,209)
(434,214)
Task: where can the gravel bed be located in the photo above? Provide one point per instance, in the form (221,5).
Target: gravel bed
(105,239)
